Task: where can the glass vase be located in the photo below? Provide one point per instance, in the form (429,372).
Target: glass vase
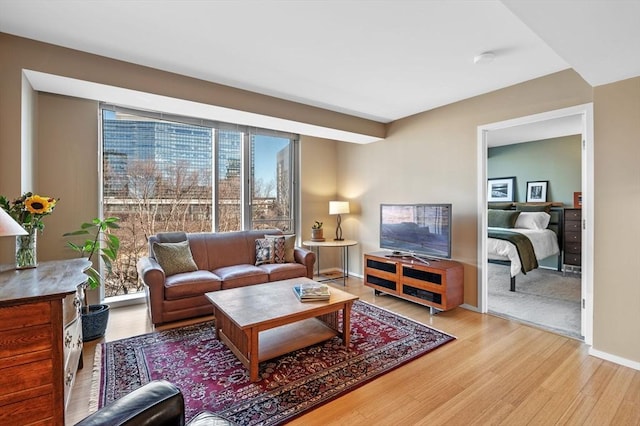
(26,254)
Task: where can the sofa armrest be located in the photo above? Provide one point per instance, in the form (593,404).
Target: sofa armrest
(153,277)
(305,257)
(158,403)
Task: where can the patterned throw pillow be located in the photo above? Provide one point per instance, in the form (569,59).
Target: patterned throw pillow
(264,251)
(278,247)
(174,258)
(289,246)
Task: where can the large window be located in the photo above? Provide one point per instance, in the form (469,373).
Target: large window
(166,173)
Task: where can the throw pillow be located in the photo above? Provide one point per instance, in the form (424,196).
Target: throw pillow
(264,251)
(174,258)
(502,218)
(289,246)
(278,247)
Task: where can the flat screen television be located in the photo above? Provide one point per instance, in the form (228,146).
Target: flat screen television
(420,229)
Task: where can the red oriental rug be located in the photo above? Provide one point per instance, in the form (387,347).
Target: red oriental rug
(211,377)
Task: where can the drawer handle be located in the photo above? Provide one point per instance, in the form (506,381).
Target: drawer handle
(79,342)
(76,302)
(69,379)
(67,339)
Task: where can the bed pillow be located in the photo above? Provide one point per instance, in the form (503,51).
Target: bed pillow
(533,220)
(502,218)
(174,258)
(265,251)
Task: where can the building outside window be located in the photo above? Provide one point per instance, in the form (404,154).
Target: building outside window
(163,174)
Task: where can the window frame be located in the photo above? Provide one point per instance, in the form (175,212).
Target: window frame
(245,178)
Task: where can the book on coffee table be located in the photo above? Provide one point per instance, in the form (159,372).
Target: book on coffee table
(308,292)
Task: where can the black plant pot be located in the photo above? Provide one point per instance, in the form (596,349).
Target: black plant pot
(94,323)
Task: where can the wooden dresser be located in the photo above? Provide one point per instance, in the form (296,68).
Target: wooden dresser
(572,239)
(40,340)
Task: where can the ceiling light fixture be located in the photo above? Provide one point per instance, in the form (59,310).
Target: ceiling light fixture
(484,58)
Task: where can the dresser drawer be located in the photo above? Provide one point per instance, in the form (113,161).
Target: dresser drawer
(572,237)
(575,248)
(574,214)
(72,345)
(38,410)
(572,259)
(71,308)
(22,346)
(22,316)
(572,226)
(21,381)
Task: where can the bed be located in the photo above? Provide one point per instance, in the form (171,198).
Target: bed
(512,233)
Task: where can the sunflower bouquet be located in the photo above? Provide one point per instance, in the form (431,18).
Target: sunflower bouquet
(29,210)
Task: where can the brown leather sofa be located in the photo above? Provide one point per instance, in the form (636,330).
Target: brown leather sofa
(224,260)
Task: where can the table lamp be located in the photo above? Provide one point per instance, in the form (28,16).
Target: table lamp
(8,226)
(338,207)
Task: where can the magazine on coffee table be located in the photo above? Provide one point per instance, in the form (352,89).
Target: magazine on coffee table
(308,292)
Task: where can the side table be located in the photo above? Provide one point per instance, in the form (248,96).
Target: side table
(343,245)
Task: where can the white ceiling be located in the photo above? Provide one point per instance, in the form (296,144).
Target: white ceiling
(382,60)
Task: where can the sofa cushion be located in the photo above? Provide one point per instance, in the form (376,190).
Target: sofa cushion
(190,284)
(241,275)
(265,251)
(174,258)
(284,271)
(289,246)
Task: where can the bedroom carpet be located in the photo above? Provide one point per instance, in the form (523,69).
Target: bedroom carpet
(544,298)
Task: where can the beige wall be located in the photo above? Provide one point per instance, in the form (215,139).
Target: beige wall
(429,157)
(617,228)
(66,129)
(432,158)
(67,168)
(318,186)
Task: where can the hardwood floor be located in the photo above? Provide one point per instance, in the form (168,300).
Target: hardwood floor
(496,372)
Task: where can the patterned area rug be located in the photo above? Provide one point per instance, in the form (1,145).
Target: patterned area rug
(212,378)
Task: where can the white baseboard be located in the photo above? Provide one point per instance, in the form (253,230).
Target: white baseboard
(615,359)
(470,307)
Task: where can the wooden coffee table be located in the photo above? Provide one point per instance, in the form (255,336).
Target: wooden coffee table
(261,322)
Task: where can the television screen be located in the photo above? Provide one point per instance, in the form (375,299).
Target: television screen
(421,229)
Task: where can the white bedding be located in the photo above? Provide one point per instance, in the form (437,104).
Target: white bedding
(545,244)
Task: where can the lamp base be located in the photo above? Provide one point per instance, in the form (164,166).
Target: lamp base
(338,239)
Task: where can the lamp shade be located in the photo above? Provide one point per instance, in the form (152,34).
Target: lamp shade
(8,226)
(338,207)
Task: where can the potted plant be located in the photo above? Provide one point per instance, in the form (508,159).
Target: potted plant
(100,242)
(317,231)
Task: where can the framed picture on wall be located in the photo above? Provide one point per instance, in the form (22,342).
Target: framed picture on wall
(537,191)
(501,189)
(577,200)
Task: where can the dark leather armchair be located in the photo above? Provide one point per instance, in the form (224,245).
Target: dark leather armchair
(158,403)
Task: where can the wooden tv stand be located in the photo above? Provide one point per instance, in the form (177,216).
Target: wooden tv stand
(436,283)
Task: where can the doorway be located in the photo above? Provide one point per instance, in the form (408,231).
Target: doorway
(550,122)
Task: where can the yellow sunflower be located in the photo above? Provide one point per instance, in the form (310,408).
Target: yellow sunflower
(39,205)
